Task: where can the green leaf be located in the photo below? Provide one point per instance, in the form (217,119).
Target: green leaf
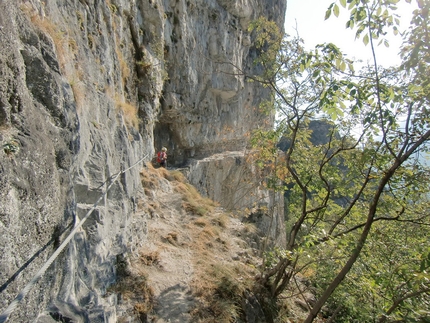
(327,14)
(350,24)
(424,264)
(343,66)
(359,31)
(336,10)
(343,3)
(391,93)
(366,39)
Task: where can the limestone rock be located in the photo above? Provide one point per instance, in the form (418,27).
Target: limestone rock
(231,179)
(88,89)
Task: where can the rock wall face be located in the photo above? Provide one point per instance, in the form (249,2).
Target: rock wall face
(232,180)
(89,88)
(63,135)
(207,105)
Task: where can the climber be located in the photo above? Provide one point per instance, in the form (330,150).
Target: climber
(162,157)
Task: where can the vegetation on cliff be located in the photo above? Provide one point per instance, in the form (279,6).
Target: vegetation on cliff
(357,205)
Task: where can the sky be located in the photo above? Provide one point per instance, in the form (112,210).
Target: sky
(308,16)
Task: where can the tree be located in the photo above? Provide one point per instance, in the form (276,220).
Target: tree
(347,195)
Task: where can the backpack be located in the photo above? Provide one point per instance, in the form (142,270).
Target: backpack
(160,156)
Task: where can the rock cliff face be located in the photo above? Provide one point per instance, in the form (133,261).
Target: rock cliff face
(231,179)
(89,88)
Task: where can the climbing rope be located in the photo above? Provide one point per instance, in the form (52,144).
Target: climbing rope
(12,306)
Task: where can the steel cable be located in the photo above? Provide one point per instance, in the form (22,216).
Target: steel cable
(12,306)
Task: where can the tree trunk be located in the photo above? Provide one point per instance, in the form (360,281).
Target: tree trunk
(360,244)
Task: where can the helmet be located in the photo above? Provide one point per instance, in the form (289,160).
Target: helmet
(164,149)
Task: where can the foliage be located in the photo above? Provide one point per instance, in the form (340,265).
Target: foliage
(129,111)
(134,288)
(357,202)
(11,147)
(192,200)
